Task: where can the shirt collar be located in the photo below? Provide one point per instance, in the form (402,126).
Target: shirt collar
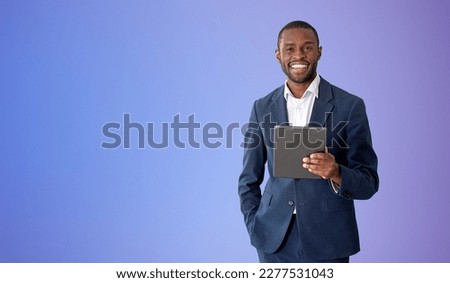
(313,88)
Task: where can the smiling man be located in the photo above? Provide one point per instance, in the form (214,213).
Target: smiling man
(307,220)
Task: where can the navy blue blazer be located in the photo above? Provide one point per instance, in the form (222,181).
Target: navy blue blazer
(326,219)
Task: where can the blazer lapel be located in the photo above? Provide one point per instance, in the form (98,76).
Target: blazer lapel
(323,105)
(278,110)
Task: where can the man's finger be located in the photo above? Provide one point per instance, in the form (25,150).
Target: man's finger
(318,155)
(315,161)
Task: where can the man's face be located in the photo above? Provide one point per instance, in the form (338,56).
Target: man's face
(298,55)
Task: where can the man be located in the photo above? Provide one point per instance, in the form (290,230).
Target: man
(307,220)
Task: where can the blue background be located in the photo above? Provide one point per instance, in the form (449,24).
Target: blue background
(69,67)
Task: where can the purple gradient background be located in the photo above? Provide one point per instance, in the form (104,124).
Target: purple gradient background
(68,67)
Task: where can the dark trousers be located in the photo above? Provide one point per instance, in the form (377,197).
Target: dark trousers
(291,250)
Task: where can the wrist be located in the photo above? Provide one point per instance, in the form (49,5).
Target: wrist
(336,176)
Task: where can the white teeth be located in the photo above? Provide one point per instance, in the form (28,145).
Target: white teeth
(298,66)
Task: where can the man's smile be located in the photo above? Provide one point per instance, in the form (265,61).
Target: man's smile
(300,66)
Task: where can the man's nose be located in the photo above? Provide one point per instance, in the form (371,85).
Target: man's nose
(299,53)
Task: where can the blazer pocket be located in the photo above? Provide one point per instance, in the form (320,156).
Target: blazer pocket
(340,204)
(266,198)
(264,205)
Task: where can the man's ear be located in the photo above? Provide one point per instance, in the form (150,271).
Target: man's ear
(277,55)
(320,52)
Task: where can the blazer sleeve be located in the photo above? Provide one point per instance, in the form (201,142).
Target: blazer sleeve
(255,156)
(359,174)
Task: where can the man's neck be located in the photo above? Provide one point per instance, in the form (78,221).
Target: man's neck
(298,89)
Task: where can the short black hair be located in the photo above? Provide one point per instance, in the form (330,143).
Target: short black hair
(294,25)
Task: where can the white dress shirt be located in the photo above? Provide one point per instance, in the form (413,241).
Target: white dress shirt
(299,109)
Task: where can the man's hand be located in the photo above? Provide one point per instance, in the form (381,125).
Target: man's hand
(323,164)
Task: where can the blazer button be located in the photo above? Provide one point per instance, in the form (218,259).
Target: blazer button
(291,203)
